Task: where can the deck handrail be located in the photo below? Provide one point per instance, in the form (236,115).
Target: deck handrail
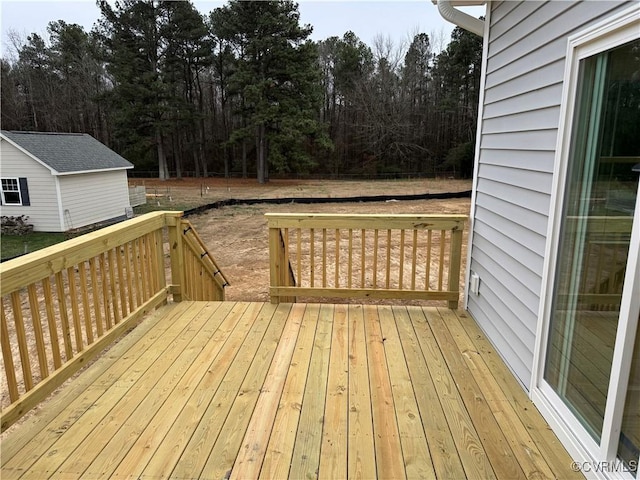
(365,256)
(62,305)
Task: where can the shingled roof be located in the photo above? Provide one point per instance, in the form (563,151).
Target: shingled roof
(68,152)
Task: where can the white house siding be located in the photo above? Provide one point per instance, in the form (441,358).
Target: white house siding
(90,198)
(43,211)
(520,118)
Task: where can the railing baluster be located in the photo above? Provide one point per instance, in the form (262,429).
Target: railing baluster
(135,262)
(388,273)
(199,282)
(127,274)
(427,276)
(105,291)
(611,284)
(159,256)
(414,259)
(148,266)
(312,244)
(154,262)
(121,282)
(64,316)
(75,311)
(375,258)
(187,290)
(51,322)
(193,266)
(363,259)
(285,268)
(114,288)
(85,303)
(95,292)
(441,262)
(23,348)
(143,267)
(37,330)
(350,264)
(401,267)
(337,279)
(324,257)
(7,356)
(299,255)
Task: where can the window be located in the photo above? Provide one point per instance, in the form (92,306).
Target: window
(15,191)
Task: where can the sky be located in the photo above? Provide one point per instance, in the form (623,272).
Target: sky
(398,20)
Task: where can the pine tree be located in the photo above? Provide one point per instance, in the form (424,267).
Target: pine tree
(189,54)
(141,98)
(278,79)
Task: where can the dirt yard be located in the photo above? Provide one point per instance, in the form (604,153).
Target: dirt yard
(237,235)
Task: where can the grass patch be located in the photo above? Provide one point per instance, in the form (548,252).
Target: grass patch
(14,245)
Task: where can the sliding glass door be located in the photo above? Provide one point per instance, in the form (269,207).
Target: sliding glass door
(629,442)
(588,351)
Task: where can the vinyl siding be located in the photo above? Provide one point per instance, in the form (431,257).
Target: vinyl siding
(94,197)
(519,130)
(43,212)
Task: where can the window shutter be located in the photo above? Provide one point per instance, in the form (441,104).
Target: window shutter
(24,192)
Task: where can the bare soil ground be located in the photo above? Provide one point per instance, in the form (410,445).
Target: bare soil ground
(237,235)
(191,192)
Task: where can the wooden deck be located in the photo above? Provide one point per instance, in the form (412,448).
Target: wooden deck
(244,390)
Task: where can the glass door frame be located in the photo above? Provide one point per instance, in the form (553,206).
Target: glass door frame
(601,37)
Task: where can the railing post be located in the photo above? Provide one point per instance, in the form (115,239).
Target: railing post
(176,253)
(275,261)
(454,263)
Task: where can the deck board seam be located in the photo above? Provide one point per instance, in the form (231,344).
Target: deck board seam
(107,363)
(121,402)
(251,335)
(205,379)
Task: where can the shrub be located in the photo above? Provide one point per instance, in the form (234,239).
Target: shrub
(16,225)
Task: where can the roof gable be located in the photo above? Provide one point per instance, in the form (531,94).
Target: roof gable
(68,152)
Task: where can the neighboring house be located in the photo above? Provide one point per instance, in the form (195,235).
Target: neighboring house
(555,217)
(62,181)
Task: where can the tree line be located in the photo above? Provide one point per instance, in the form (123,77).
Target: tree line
(244,91)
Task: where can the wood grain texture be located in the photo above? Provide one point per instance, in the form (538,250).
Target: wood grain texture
(382,264)
(278,457)
(307,391)
(333,454)
(254,444)
(305,460)
(415,449)
(389,461)
(362,454)
(86,306)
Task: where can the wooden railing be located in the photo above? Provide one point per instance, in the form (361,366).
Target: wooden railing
(203,279)
(605,243)
(375,256)
(64,304)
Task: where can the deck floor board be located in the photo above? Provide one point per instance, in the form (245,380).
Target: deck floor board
(217,390)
